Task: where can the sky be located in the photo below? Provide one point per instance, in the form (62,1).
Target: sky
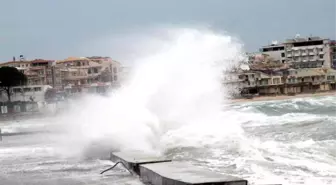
(56,29)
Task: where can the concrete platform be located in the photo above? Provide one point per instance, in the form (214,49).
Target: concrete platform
(133,159)
(180,173)
(157,170)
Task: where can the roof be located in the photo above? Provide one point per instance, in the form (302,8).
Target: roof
(14,62)
(70,59)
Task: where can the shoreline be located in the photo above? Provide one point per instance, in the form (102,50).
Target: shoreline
(283,97)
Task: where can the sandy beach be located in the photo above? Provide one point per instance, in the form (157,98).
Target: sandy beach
(284,97)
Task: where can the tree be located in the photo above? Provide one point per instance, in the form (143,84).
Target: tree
(10,77)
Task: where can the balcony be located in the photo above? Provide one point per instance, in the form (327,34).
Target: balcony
(304,53)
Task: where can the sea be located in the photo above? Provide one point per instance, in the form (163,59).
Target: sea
(173,105)
(285,141)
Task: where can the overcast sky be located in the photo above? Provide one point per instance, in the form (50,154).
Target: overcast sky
(55,29)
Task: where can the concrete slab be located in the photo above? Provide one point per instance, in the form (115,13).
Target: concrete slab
(138,157)
(133,159)
(180,173)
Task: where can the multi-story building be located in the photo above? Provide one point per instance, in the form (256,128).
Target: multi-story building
(311,52)
(113,68)
(333,53)
(275,51)
(43,72)
(290,81)
(38,71)
(79,71)
(20,65)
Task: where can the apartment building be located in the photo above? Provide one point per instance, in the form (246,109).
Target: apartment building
(311,52)
(20,65)
(333,53)
(77,71)
(299,52)
(275,51)
(112,68)
(43,72)
(289,81)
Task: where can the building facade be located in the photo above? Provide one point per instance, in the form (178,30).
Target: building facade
(286,82)
(76,72)
(310,52)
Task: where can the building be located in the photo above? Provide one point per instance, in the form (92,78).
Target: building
(113,68)
(299,52)
(275,51)
(31,93)
(291,81)
(78,71)
(88,74)
(333,53)
(311,52)
(38,71)
(20,65)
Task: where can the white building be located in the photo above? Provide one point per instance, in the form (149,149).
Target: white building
(310,52)
(275,51)
(26,93)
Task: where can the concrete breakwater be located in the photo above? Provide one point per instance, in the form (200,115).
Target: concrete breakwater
(157,170)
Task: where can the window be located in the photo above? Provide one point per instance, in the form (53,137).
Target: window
(115,78)
(115,70)
(36,89)
(26,89)
(17,90)
(321,56)
(282,54)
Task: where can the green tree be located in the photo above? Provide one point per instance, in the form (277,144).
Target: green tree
(10,77)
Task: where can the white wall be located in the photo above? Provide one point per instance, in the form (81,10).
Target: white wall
(36,91)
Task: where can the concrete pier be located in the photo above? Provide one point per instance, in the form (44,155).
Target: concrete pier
(156,170)
(180,173)
(133,160)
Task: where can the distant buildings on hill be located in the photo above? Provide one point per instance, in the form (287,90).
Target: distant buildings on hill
(74,74)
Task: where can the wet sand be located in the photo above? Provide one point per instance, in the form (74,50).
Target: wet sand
(284,97)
